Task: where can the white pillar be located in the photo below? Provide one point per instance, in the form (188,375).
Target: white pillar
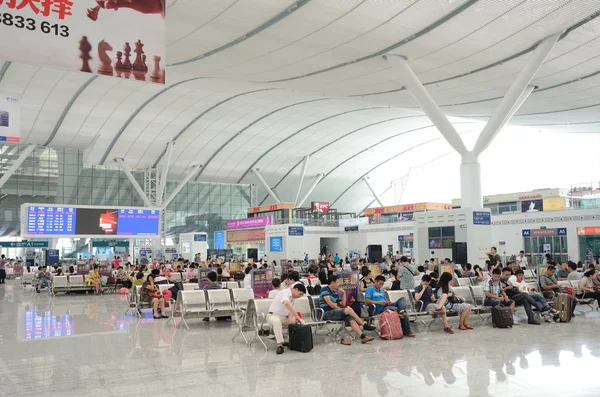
(470,182)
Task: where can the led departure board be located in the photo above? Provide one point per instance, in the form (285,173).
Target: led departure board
(90,221)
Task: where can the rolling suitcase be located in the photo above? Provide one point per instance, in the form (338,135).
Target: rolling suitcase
(563,303)
(502,317)
(301,338)
(389,325)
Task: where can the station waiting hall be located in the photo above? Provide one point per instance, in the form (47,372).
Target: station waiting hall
(299,197)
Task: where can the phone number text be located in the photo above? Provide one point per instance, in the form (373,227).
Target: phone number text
(20,22)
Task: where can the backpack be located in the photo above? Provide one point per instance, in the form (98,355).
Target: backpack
(178,286)
(313,289)
(389,325)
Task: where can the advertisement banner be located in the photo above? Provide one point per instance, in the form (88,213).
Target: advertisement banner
(532,205)
(245,236)
(249,223)
(203,276)
(320,207)
(375,270)
(52,257)
(122,38)
(349,283)
(588,231)
(276,244)
(18,269)
(219,240)
(262,282)
(235,267)
(554,204)
(10,116)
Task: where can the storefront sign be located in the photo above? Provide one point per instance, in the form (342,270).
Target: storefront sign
(126,39)
(200,237)
(320,206)
(351,228)
(24,244)
(10,115)
(530,197)
(407,208)
(562,231)
(110,243)
(249,223)
(588,231)
(532,205)
(295,231)
(406,238)
(482,218)
(272,207)
(262,282)
(246,236)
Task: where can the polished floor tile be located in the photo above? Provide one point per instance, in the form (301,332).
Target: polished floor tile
(77,345)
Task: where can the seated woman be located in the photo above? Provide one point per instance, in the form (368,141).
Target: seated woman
(248,277)
(137,280)
(276,288)
(586,285)
(395,280)
(59,272)
(122,278)
(366,280)
(446,301)
(312,272)
(191,274)
(151,294)
(71,271)
(93,280)
(477,274)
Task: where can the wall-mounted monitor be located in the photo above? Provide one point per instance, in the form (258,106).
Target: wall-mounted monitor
(88,221)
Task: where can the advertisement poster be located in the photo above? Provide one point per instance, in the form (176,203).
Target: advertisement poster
(375,270)
(349,283)
(276,244)
(219,240)
(10,117)
(18,269)
(249,223)
(532,205)
(235,267)
(203,276)
(446,269)
(262,282)
(121,38)
(405,216)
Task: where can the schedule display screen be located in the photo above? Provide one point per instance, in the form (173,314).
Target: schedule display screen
(92,221)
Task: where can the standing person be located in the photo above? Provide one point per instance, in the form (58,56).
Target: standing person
(282,312)
(522,260)
(336,258)
(589,257)
(330,266)
(407,272)
(2,269)
(446,301)
(494,258)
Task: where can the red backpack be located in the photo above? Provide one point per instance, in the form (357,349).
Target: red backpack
(389,325)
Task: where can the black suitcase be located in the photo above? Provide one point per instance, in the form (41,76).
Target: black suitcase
(502,317)
(301,338)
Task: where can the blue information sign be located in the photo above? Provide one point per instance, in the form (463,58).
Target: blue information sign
(526,232)
(296,231)
(561,231)
(482,218)
(199,237)
(276,244)
(219,240)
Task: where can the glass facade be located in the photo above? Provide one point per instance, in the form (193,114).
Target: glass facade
(60,177)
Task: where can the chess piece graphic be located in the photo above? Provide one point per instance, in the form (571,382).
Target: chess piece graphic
(85,49)
(127,51)
(156,75)
(105,67)
(141,6)
(138,64)
(92,13)
(119,63)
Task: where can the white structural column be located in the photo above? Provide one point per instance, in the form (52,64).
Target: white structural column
(182,183)
(302,175)
(265,185)
(310,190)
(135,184)
(15,166)
(373,191)
(165,171)
(470,170)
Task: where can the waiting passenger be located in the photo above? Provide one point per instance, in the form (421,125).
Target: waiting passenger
(93,280)
(71,271)
(424,293)
(574,275)
(376,296)
(478,274)
(332,300)
(366,280)
(282,312)
(549,283)
(541,302)
(44,278)
(586,285)
(447,301)
(494,293)
(138,280)
(563,272)
(248,277)
(394,279)
(151,294)
(292,279)
(312,272)
(276,288)
(468,273)
(518,297)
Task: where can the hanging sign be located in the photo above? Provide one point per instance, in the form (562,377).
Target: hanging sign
(10,116)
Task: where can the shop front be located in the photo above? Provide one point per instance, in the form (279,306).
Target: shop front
(406,244)
(538,242)
(589,239)
(401,213)
(247,243)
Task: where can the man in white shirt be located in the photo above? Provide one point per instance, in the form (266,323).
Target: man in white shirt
(541,303)
(282,312)
(574,275)
(522,260)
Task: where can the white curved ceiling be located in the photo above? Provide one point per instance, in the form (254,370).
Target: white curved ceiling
(263,83)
